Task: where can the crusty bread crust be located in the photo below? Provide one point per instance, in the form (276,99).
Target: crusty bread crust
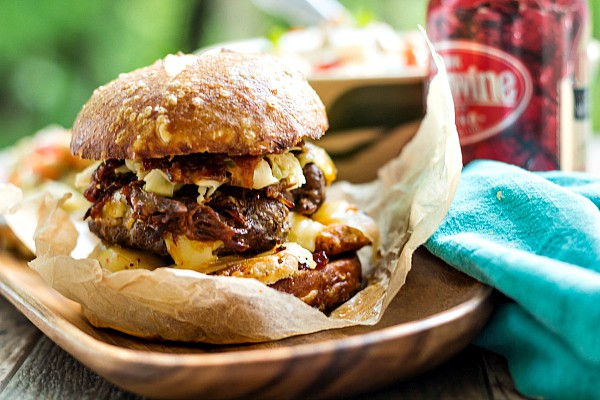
(217,102)
(327,287)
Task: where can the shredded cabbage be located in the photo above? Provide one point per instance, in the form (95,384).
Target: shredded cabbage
(263,176)
(206,188)
(158,182)
(136,167)
(286,166)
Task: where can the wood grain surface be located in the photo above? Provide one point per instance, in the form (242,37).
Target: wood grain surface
(45,371)
(435,316)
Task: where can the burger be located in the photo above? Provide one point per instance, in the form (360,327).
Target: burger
(207,162)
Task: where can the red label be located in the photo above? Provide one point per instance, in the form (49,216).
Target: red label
(490,88)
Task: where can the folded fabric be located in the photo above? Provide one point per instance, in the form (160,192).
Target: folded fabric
(536,238)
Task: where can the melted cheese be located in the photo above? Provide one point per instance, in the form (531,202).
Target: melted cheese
(304,256)
(116,258)
(192,254)
(274,265)
(304,230)
(116,207)
(268,267)
(318,156)
(342,212)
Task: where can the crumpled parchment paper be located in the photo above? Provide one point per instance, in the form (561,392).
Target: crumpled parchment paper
(408,200)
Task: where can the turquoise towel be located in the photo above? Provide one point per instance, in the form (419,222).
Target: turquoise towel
(536,238)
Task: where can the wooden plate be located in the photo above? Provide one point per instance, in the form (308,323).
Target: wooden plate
(436,314)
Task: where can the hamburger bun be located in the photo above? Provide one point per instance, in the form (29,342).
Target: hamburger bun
(218,102)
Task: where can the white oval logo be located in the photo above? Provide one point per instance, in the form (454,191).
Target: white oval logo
(490,88)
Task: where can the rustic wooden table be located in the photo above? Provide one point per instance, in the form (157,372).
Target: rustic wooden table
(33,367)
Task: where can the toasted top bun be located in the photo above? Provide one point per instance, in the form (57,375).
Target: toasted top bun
(216,102)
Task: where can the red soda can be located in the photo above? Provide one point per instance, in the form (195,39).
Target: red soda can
(517,71)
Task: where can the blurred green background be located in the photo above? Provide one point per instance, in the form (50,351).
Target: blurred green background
(54,53)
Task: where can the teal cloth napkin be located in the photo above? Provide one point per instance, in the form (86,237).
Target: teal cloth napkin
(536,238)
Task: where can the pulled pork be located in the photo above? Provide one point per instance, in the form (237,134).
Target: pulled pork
(247,221)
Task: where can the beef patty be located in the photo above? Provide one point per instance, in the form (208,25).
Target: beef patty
(246,221)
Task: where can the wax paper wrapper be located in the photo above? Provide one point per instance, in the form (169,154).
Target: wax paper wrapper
(408,201)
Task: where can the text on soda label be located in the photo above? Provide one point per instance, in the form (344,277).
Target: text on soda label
(490,88)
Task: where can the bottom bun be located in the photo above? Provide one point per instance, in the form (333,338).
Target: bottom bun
(324,287)
(184,305)
(327,287)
